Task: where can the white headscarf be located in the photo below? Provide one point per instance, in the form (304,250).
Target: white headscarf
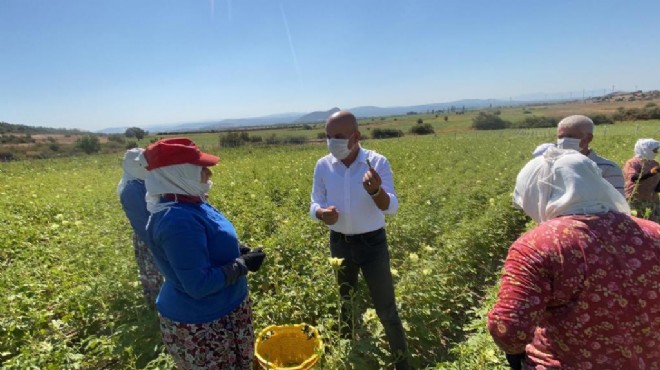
(133,166)
(175,179)
(644,148)
(541,149)
(565,182)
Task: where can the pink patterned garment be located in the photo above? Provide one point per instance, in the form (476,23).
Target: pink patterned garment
(582,292)
(224,344)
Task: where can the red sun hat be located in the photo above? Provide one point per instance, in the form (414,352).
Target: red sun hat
(180,150)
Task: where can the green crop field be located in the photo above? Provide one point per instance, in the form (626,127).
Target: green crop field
(69,290)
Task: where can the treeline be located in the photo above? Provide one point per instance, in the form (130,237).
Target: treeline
(236,139)
(493,121)
(10,128)
(649,111)
(52,148)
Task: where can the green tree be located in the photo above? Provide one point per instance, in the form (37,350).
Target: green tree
(89,144)
(135,132)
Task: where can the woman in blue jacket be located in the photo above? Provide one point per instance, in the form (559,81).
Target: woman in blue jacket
(131,193)
(204,307)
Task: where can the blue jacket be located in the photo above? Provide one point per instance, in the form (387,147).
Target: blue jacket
(190,242)
(135,207)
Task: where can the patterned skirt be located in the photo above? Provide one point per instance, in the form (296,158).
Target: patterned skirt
(226,343)
(150,277)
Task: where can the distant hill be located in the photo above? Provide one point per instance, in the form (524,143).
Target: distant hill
(274,119)
(318,116)
(370,111)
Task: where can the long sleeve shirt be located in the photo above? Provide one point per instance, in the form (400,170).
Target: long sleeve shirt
(135,207)
(336,185)
(638,187)
(582,292)
(611,171)
(190,242)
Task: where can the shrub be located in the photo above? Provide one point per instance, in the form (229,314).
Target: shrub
(384,133)
(255,139)
(131,144)
(6,156)
(117,138)
(489,121)
(653,113)
(88,144)
(273,139)
(231,140)
(13,139)
(423,129)
(295,140)
(420,121)
(536,122)
(600,119)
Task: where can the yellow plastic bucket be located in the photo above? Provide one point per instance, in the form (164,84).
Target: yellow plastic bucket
(288,347)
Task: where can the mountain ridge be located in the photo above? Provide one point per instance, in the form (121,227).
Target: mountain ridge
(316,116)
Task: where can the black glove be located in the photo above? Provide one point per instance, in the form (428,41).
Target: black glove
(244,248)
(515,361)
(234,270)
(254,259)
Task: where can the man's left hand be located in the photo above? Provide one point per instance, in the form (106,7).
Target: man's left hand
(371,181)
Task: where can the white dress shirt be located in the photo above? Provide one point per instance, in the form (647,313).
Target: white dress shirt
(340,186)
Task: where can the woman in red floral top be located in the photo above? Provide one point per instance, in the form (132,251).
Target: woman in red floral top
(582,289)
(642,179)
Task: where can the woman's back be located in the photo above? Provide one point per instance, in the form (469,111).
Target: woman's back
(641,189)
(587,288)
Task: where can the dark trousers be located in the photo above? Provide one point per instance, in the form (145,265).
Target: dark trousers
(368,252)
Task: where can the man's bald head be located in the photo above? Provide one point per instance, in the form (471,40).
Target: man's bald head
(343,121)
(342,126)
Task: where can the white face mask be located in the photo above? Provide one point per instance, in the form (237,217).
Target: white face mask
(339,148)
(569,143)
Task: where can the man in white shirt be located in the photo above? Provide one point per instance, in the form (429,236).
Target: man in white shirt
(576,132)
(352,192)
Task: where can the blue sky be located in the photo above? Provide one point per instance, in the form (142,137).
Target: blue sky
(92,64)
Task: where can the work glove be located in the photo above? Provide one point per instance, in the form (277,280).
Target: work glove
(515,361)
(254,259)
(244,248)
(234,270)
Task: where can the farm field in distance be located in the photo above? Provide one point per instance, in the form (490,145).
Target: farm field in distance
(69,290)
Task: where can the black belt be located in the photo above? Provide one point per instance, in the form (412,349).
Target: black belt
(349,237)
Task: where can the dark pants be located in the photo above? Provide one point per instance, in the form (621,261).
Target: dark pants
(368,252)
